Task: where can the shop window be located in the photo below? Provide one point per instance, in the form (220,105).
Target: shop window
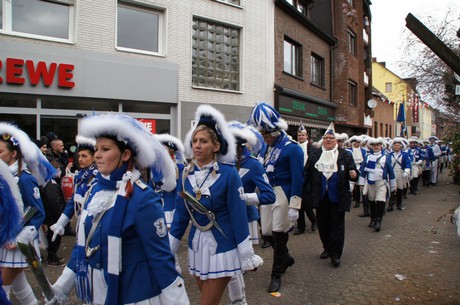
(317,70)
(51,102)
(292,57)
(352,93)
(215,55)
(351,42)
(140,29)
(48,20)
(21,101)
(25,122)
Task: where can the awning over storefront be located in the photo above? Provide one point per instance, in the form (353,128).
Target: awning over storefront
(305,122)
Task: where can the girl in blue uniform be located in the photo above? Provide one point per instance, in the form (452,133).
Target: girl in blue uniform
(10,200)
(122,254)
(30,169)
(253,176)
(219,245)
(84,179)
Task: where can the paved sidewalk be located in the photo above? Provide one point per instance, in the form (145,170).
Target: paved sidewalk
(419,243)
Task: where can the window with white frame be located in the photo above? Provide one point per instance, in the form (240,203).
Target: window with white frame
(292,57)
(352,93)
(139,28)
(388,87)
(215,55)
(317,70)
(351,42)
(48,20)
(302,6)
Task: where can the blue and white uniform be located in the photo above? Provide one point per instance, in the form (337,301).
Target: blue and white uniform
(30,193)
(144,250)
(253,176)
(377,176)
(211,254)
(401,164)
(284,167)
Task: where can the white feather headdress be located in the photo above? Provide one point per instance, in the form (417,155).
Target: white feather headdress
(208,115)
(36,162)
(148,151)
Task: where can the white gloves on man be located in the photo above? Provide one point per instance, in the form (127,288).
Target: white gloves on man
(27,235)
(293,215)
(405,175)
(250,198)
(58,227)
(62,288)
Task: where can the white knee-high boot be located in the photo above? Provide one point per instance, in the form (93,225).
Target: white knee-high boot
(22,290)
(236,290)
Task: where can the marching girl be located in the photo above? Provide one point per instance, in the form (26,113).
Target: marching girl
(122,254)
(10,203)
(219,245)
(401,164)
(252,174)
(30,169)
(84,179)
(175,149)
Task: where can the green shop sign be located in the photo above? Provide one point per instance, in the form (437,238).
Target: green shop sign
(303,109)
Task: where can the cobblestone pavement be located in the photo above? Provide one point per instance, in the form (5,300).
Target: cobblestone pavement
(418,243)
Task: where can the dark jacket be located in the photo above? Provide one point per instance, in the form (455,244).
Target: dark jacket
(53,201)
(312,187)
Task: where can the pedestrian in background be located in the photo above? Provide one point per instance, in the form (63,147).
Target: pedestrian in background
(305,208)
(283,162)
(328,173)
(219,244)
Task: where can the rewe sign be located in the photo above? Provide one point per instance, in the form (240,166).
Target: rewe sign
(17,71)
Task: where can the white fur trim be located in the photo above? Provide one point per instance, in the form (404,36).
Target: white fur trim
(9,178)
(81,140)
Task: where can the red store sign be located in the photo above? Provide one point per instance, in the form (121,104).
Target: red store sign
(150,124)
(15,71)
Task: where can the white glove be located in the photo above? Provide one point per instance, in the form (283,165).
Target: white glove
(249,260)
(176,260)
(419,162)
(27,235)
(250,198)
(405,175)
(293,215)
(62,288)
(58,227)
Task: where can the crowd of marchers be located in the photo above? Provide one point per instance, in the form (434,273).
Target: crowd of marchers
(134,194)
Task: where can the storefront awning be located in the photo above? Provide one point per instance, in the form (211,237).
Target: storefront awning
(307,123)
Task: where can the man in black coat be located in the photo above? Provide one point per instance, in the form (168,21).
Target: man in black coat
(328,173)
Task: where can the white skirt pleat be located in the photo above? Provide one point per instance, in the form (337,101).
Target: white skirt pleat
(205,263)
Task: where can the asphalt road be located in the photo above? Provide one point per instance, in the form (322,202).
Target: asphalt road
(414,259)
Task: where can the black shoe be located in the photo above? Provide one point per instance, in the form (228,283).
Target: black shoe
(314,226)
(377,226)
(372,223)
(356,204)
(390,209)
(399,207)
(266,244)
(299,231)
(288,263)
(364,214)
(275,284)
(324,255)
(335,261)
(55,261)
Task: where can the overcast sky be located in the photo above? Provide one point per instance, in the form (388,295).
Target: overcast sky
(388,23)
